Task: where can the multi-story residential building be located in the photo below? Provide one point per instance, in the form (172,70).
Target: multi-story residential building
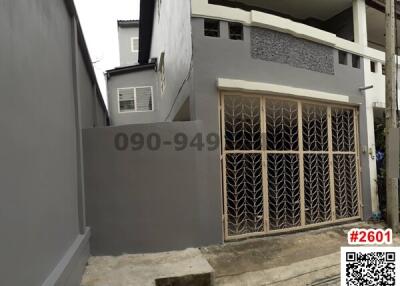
(131,86)
(284,84)
(128,38)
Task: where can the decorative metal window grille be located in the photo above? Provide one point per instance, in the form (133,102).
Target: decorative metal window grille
(287,164)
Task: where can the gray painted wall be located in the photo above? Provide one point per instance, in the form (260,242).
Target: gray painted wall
(215,58)
(92,112)
(172,35)
(133,79)
(40,242)
(126,56)
(149,201)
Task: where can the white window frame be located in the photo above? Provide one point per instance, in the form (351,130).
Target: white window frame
(132,45)
(135,99)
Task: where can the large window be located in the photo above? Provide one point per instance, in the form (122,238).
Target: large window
(135,99)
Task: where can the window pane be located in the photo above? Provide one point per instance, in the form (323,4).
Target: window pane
(126,99)
(128,105)
(135,44)
(144,99)
(235,31)
(211,28)
(342,58)
(356,61)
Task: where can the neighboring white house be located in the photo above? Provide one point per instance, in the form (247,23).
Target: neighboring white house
(128,36)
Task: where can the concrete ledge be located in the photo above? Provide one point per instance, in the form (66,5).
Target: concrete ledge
(275,89)
(70,269)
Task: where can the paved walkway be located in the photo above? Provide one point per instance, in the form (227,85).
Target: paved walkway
(307,258)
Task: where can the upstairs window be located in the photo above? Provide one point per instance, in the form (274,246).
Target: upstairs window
(356,61)
(126,98)
(383,69)
(135,45)
(373,66)
(235,31)
(343,58)
(144,98)
(135,99)
(211,28)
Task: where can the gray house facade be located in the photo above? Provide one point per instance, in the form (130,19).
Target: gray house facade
(49,95)
(282,86)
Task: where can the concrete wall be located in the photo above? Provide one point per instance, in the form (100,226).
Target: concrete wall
(133,79)
(92,112)
(41,241)
(126,56)
(149,201)
(172,35)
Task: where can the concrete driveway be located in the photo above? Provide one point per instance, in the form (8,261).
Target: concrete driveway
(306,258)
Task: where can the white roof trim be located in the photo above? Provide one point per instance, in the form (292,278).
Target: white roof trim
(268,88)
(201,8)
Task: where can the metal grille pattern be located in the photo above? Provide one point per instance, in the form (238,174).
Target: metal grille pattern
(282,125)
(283,191)
(343,129)
(242,123)
(244,193)
(346,190)
(315,127)
(307,173)
(317,193)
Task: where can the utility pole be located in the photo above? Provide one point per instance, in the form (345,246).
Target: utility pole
(392,156)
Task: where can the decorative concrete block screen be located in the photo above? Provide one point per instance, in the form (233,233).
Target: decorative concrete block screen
(282,48)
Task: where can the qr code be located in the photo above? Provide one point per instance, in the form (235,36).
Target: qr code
(364,266)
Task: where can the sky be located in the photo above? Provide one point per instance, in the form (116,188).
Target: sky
(99,24)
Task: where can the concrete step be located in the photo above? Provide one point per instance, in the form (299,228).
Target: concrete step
(176,268)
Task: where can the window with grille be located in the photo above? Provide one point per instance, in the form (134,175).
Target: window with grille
(135,45)
(135,99)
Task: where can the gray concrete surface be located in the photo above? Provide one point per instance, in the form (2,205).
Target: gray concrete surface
(144,269)
(307,258)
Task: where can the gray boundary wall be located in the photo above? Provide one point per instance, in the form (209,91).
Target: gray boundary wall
(47,95)
(149,201)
